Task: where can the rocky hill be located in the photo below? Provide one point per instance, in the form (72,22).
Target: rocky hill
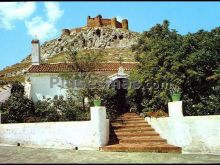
(92,38)
(114,42)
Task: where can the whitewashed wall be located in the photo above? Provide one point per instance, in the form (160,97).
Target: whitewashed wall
(195,134)
(86,135)
(41,86)
(5,92)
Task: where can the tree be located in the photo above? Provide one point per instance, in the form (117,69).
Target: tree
(84,71)
(168,58)
(17,108)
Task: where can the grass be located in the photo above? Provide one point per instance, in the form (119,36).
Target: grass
(11,80)
(61,57)
(109,55)
(15,67)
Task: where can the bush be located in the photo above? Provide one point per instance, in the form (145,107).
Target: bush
(58,109)
(45,111)
(188,61)
(17,87)
(17,108)
(108,97)
(110,102)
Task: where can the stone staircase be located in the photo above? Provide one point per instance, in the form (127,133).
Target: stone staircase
(130,133)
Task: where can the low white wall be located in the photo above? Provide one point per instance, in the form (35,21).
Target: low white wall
(81,134)
(195,134)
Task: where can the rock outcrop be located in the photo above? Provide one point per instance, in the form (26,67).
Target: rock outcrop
(92,38)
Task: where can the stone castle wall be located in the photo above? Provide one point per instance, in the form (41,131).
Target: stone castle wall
(98,21)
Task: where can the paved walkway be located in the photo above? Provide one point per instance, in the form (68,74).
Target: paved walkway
(35,155)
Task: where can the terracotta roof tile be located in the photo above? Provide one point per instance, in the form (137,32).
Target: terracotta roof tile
(65,67)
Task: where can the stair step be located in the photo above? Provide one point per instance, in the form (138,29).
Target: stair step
(116,127)
(128,119)
(130,122)
(137,127)
(139,140)
(145,143)
(141,129)
(140,148)
(134,134)
(142,140)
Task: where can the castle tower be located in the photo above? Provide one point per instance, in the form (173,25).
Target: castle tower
(65,32)
(114,22)
(88,22)
(36,60)
(98,20)
(125,24)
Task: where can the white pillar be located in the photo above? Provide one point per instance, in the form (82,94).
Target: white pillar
(100,126)
(35,52)
(175,109)
(178,128)
(27,89)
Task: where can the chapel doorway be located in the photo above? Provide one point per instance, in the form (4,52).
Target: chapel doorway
(121,87)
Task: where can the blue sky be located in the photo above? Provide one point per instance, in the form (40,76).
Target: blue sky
(20,22)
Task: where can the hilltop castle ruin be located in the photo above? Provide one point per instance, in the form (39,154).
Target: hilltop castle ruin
(98,21)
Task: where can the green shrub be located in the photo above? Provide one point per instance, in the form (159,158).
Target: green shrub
(108,97)
(17,108)
(58,109)
(189,61)
(110,102)
(17,87)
